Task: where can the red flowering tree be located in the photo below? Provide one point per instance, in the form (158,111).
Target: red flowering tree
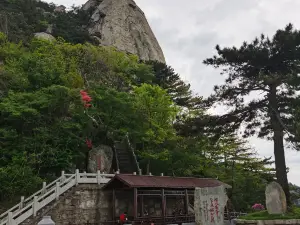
(86,99)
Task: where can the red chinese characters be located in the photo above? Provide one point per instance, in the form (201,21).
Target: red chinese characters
(205,210)
(212,211)
(216,203)
(89,143)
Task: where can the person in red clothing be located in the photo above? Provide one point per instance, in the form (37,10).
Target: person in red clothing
(123,218)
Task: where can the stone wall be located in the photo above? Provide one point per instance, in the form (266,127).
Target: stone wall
(87,204)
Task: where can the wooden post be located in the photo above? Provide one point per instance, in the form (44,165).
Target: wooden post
(22,202)
(98,177)
(114,205)
(135,203)
(35,205)
(142,205)
(186,202)
(163,204)
(57,190)
(77,177)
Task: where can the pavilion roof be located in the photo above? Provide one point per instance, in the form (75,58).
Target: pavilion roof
(142,181)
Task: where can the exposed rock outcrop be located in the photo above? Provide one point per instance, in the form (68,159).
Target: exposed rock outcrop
(122,24)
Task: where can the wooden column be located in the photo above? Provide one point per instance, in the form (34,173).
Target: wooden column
(142,205)
(163,204)
(135,203)
(114,205)
(186,202)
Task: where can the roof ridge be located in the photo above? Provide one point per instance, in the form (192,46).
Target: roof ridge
(168,176)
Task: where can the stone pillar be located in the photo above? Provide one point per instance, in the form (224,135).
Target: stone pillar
(46,221)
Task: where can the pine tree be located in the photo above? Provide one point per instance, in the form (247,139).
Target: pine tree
(269,68)
(168,79)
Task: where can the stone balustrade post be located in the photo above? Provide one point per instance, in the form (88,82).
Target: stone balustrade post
(44,188)
(35,205)
(63,177)
(77,177)
(57,190)
(22,202)
(98,177)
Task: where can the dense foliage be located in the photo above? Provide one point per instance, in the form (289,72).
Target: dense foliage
(45,125)
(20,19)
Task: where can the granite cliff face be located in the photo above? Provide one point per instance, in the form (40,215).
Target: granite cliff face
(122,24)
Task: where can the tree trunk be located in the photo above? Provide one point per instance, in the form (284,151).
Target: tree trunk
(278,135)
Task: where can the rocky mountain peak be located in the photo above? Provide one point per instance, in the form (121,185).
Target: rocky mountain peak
(123,24)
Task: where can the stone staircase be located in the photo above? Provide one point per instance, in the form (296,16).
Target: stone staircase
(125,162)
(44,211)
(34,207)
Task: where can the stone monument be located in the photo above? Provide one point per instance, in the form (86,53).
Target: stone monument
(209,205)
(100,158)
(275,199)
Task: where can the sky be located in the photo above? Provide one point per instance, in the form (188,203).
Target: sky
(188,32)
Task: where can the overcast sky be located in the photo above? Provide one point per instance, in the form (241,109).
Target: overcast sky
(189,30)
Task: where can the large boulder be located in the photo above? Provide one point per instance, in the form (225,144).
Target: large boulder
(45,36)
(100,158)
(123,24)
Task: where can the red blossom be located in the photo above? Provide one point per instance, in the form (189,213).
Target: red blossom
(86,99)
(89,143)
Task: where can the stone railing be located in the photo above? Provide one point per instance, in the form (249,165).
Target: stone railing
(30,206)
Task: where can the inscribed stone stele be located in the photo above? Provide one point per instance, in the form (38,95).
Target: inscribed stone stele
(100,158)
(209,205)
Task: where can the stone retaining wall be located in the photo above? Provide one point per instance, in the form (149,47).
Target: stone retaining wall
(87,204)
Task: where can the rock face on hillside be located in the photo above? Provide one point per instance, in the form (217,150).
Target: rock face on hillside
(122,24)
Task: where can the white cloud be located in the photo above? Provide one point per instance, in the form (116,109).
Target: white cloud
(189,30)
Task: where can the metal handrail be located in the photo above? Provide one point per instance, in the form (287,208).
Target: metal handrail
(133,154)
(116,157)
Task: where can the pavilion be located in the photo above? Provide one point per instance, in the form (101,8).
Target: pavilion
(156,199)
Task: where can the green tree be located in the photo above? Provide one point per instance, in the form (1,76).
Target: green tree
(180,92)
(268,67)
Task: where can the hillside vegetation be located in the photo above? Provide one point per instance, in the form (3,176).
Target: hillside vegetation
(59,99)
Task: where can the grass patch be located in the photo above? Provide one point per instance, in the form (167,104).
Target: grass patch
(264,215)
